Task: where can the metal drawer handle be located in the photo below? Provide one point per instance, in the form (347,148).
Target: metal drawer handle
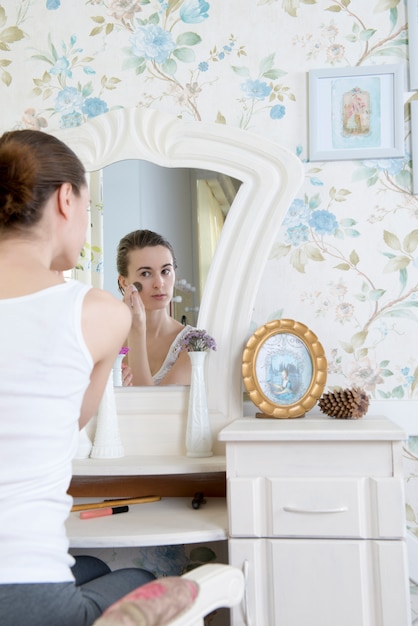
(293,509)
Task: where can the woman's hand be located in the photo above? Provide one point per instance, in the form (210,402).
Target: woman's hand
(133,300)
(126,375)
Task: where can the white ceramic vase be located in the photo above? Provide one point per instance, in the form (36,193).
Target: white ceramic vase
(107,443)
(198,431)
(117,370)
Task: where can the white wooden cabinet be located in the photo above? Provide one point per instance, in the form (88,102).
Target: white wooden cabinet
(317,522)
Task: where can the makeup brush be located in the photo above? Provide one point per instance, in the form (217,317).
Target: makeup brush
(138,286)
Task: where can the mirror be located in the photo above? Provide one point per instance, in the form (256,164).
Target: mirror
(187,206)
(270,177)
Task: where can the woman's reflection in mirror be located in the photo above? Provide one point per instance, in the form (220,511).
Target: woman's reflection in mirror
(146,266)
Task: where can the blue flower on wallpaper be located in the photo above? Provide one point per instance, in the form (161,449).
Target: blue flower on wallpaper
(297,235)
(94,106)
(323,222)
(203,66)
(152,42)
(53,4)
(194,11)
(277,112)
(298,211)
(62,66)
(391,166)
(257,89)
(71,120)
(68,100)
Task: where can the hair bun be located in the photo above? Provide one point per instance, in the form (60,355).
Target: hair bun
(17,180)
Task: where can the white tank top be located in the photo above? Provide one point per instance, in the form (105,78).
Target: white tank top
(45,368)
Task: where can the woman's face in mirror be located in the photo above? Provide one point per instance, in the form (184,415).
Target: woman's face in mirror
(153,268)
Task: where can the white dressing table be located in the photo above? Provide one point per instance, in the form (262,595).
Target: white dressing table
(317,521)
(169,521)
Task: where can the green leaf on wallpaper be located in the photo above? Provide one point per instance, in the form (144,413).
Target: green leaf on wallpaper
(274,74)
(352,232)
(99,19)
(184,54)
(362,173)
(315,201)
(95,31)
(376,294)
(188,39)
(334,9)
(415,382)
(409,512)
(347,347)
(343,266)
(358,339)
(398,392)
(410,242)
(267,63)
(279,250)
(354,258)
(399,314)
(275,315)
(366,34)
(361,354)
(313,253)
(6,78)
(299,260)
(241,71)
(134,63)
(109,28)
(385,372)
(396,264)
(154,19)
(11,34)
(392,51)
(3,17)
(385,5)
(404,179)
(347,221)
(392,240)
(169,67)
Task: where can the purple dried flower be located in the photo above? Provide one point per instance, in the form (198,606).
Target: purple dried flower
(198,341)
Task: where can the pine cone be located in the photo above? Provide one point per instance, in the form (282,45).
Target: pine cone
(345,403)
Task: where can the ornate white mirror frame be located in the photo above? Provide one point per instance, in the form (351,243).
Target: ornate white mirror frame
(271,176)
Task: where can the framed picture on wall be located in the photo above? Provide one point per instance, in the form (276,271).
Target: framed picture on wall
(284,369)
(356,113)
(414,141)
(412,12)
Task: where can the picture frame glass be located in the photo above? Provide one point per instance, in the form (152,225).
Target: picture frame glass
(284,368)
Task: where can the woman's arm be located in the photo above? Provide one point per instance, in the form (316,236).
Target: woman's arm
(105,324)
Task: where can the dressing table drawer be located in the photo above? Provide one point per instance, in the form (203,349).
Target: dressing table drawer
(316,507)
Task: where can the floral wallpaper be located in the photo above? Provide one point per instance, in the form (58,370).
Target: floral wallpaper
(348,245)
(345,259)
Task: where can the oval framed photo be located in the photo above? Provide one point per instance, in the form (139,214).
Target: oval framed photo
(284,369)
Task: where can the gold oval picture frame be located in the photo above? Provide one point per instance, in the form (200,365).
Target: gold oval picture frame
(284,369)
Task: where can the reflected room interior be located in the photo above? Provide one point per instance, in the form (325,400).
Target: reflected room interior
(187,206)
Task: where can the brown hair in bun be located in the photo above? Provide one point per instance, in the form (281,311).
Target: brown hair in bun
(33,165)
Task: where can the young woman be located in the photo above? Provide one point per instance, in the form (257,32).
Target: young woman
(146,266)
(58,341)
